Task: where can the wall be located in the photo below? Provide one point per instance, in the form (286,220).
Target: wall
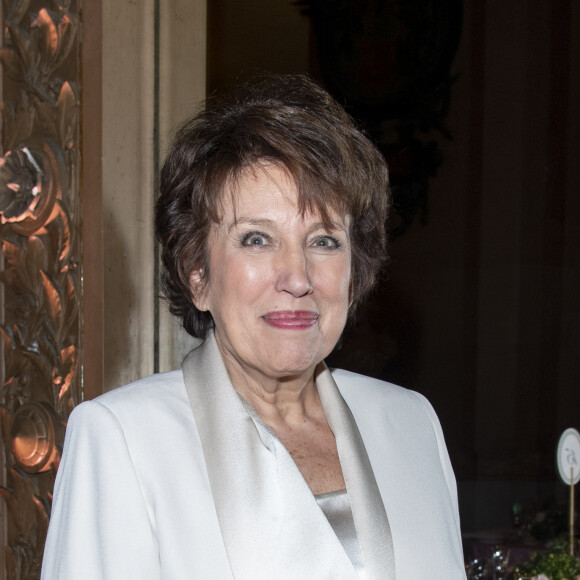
(249,37)
(153,74)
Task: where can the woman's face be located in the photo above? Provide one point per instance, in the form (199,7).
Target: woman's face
(279,282)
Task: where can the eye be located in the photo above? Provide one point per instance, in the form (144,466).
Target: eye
(326,242)
(255,239)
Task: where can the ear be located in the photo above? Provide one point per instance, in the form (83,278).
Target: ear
(197,289)
(350,293)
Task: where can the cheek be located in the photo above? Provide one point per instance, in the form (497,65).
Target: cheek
(249,275)
(254,274)
(236,281)
(335,279)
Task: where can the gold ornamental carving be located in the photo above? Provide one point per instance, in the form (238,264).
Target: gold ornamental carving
(40,276)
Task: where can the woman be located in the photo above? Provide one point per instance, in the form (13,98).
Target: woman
(255,461)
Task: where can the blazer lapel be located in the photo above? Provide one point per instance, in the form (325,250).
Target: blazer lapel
(270,522)
(370,517)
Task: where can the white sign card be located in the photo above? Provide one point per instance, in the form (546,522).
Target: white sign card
(568,457)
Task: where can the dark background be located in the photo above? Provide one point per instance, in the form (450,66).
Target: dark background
(476,107)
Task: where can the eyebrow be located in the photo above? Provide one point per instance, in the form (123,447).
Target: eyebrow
(251,222)
(266,222)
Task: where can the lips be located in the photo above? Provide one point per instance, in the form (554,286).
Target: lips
(291,319)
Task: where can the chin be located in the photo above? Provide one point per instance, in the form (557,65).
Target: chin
(294,367)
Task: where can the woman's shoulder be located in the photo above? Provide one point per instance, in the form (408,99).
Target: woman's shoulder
(361,391)
(151,393)
(148,416)
(159,384)
(351,382)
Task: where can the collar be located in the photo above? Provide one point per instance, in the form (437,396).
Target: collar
(270,522)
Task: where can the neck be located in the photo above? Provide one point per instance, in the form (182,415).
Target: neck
(291,399)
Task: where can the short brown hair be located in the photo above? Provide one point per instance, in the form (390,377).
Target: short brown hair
(288,121)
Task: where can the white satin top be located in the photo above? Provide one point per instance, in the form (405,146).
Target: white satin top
(335,505)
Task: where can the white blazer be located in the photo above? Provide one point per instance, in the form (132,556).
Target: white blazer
(151,488)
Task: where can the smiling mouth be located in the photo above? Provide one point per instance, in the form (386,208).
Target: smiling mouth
(291,319)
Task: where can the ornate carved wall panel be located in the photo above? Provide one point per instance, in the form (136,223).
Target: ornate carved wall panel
(41,272)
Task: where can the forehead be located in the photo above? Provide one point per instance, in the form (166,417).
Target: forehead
(266,189)
(263,186)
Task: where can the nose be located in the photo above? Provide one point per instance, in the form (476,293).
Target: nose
(292,273)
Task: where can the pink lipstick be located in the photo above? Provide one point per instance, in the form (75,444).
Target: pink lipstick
(291,319)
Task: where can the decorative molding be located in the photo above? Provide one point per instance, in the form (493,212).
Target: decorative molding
(41,273)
